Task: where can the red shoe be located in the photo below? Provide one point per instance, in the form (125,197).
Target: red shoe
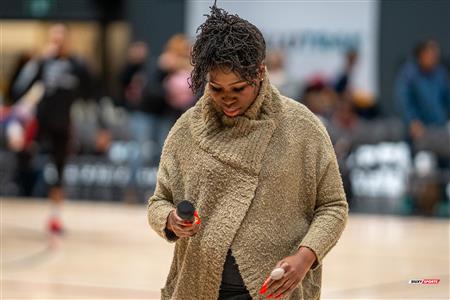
(55,226)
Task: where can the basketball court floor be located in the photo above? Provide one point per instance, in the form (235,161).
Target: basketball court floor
(109,252)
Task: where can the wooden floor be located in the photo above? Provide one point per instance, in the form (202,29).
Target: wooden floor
(109,252)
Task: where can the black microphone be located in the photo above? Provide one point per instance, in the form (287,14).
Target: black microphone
(186,210)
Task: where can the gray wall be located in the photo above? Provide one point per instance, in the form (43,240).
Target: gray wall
(155,21)
(403,24)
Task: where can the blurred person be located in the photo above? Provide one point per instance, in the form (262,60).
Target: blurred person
(173,71)
(175,68)
(344,112)
(343,82)
(133,81)
(344,120)
(144,105)
(365,104)
(176,55)
(319,97)
(276,65)
(344,115)
(423,91)
(259,210)
(362,103)
(134,76)
(65,78)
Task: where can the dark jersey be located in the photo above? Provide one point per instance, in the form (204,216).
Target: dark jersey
(65,80)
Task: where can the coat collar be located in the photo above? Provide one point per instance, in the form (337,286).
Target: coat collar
(240,141)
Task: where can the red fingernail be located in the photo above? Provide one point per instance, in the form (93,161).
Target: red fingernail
(263,289)
(264,286)
(197,218)
(270,296)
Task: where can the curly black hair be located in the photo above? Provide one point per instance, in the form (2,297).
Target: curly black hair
(226,40)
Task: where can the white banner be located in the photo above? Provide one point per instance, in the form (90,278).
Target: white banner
(314,34)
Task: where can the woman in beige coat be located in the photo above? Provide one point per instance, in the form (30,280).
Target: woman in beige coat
(261,172)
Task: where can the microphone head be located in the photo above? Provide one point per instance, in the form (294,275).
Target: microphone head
(185,210)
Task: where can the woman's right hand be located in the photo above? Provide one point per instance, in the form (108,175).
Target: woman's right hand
(180,227)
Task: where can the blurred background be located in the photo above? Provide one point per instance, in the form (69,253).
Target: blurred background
(351,64)
(90,88)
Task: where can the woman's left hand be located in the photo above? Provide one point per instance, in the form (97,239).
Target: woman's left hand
(295,268)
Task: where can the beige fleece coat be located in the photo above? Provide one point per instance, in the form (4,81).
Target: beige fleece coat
(264,184)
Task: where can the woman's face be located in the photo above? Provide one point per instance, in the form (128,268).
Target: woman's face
(231,92)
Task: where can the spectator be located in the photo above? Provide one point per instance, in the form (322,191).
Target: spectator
(134,76)
(343,82)
(144,105)
(422,89)
(319,97)
(276,65)
(359,103)
(173,72)
(175,69)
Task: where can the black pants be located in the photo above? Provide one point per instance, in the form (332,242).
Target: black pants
(223,295)
(57,142)
(232,286)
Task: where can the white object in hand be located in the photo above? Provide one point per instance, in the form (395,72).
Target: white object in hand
(277,273)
